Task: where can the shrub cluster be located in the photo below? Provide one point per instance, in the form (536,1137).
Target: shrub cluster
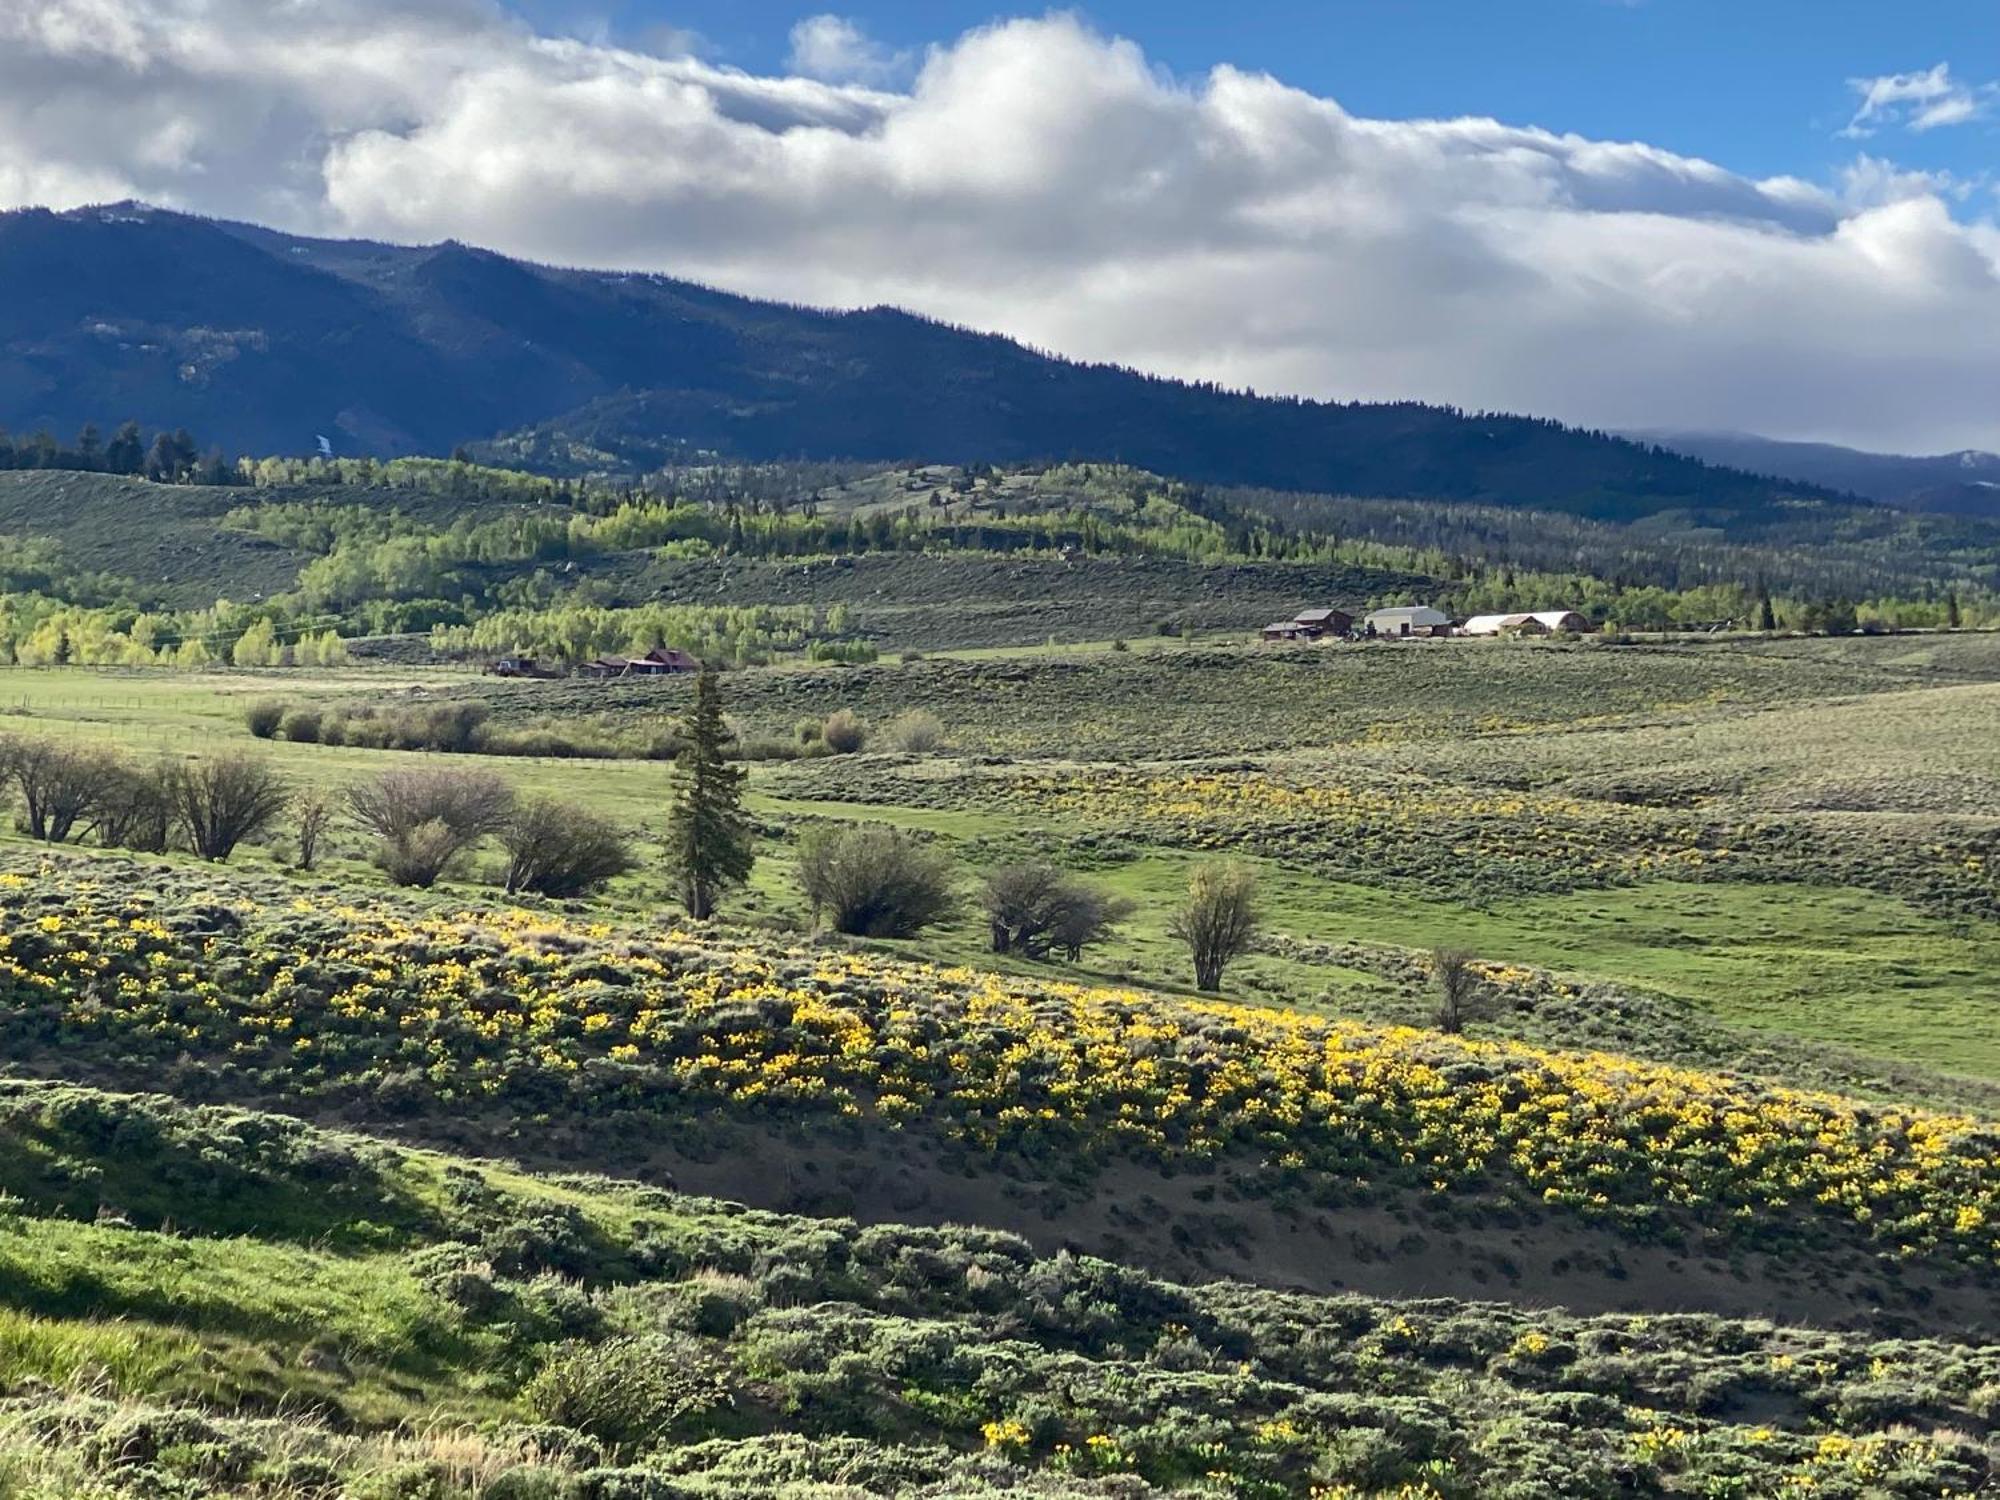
(66,790)
(616,1341)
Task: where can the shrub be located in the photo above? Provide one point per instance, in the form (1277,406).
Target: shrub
(427,818)
(135,807)
(61,785)
(221,802)
(1218,922)
(1463,995)
(630,1392)
(807,731)
(915,733)
(554,849)
(1034,908)
(313,816)
(263,717)
(874,881)
(1091,919)
(843,732)
(301,726)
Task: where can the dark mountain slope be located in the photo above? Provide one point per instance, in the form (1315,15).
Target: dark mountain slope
(263,340)
(1966,483)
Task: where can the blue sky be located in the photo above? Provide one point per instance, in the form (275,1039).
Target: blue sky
(1760,86)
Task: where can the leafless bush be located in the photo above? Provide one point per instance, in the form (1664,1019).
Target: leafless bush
(1034,909)
(312,816)
(222,802)
(427,818)
(555,849)
(61,785)
(874,881)
(1463,994)
(135,807)
(1218,921)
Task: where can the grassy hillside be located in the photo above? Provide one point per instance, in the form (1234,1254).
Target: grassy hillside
(699,1052)
(210,1303)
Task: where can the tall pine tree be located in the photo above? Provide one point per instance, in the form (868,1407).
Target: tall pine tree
(708,836)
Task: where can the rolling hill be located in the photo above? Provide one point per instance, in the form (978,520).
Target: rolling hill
(264,342)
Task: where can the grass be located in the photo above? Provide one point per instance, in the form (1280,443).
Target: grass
(756,1354)
(1823,739)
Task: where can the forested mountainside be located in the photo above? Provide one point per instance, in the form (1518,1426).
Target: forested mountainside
(1963,483)
(266,342)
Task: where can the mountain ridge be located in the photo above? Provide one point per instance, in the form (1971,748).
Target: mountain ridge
(1964,482)
(266,340)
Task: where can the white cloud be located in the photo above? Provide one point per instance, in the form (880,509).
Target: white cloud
(1039,178)
(1919,101)
(836,50)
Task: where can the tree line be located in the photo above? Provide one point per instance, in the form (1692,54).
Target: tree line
(170,457)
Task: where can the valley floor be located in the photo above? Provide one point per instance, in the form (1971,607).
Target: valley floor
(1706,1208)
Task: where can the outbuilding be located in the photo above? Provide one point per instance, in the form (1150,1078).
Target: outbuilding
(1310,625)
(1407,620)
(663,660)
(1529,622)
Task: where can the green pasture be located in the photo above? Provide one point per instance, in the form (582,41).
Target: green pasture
(1862,970)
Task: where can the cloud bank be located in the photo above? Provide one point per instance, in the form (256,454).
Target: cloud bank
(1041,179)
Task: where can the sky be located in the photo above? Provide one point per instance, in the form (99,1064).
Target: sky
(1764,216)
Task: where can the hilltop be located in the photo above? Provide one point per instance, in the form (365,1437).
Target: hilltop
(264,341)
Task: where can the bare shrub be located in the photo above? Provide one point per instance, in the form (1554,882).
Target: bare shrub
(554,849)
(312,818)
(427,818)
(843,732)
(874,881)
(1034,909)
(1461,993)
(917,732)
(1092,919)
(224,801)
(1218,922)
(135,807)
(61,785)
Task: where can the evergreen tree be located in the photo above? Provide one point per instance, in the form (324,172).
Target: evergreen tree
(127,451)
(1952,617)
(1767,617)
(708,836)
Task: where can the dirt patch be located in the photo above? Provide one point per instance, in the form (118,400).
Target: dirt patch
(1200,1225)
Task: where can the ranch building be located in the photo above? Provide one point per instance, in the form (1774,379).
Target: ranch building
(1310,625)
(1407,620)
(1529,622)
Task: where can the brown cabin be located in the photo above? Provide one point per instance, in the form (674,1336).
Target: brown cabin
(663,660)
(1311,625)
